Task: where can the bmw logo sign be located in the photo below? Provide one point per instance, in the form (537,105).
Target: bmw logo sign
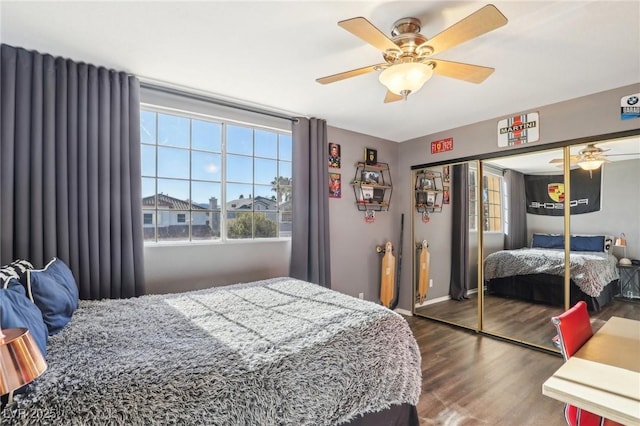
(632,100)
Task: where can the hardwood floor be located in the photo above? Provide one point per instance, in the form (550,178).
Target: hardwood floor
(531,324)
(470,379)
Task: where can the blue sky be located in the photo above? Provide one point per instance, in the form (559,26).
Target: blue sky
(170,137)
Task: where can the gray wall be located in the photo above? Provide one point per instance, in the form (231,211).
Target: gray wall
(619,210)
(355,265)
(171,268)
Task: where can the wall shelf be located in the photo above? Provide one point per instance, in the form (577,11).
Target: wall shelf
(428,191)
(372,186)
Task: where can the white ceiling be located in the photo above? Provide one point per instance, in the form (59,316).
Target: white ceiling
(539,162)
(268,53)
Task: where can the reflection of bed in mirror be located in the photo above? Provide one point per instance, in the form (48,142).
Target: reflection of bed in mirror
(536,274)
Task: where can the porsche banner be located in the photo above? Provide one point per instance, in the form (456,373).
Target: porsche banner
(545,193)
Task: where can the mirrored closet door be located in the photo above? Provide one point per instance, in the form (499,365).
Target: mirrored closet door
(606,197)
(511,244)
(445,246)
(523,275)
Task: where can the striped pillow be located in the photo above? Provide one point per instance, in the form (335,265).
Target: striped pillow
(16,269)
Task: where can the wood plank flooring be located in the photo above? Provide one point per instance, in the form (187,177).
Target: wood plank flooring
(523,321)
(470,379)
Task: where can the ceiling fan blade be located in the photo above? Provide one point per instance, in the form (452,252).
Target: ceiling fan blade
(466,72)
(348,74)
(480,22)
(392,97)
(572,159)
(365,30)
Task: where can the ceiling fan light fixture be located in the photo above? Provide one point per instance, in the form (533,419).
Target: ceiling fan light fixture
(590,164)
(406,78)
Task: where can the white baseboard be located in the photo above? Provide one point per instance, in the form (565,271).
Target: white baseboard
(403,312)
(441,299)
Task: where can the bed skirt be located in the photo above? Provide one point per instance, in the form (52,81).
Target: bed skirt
(549,290)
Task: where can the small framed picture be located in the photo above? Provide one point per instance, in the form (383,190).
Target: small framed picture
(445,195)
(426,184)
(335,185)
(446,177)
(334,155)
(370,156)
(431,199)
(370,177)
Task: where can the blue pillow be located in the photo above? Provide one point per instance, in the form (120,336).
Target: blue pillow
(53,290)
(588,243)
(17,311)
(552,241)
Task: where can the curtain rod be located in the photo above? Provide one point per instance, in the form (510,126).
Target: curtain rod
(211,99)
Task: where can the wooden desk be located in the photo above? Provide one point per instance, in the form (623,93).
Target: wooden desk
(603,377)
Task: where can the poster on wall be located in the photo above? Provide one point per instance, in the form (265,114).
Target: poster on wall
(519,130)
(630,107)
(545,193)
(334,155)
(335,185)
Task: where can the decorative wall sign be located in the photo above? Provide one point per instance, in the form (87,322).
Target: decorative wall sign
(519,130)
(442,145)
(630,107)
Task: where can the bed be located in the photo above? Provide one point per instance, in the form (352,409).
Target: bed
(536,274)
(273,352)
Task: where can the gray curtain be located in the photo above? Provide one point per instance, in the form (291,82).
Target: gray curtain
(458,286)
(516,237)
(70,183)
(310,256)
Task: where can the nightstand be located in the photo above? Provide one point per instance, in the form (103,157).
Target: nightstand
(629,281)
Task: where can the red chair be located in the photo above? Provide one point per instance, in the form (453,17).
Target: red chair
(574,329)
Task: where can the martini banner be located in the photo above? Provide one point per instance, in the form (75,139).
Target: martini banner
(545,193)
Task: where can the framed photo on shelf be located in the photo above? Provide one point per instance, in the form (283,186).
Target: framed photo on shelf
(431,199)
(334,155)
(335,185)
(370,177)
(367,193)
(378,195)
(426,184)
(370,156)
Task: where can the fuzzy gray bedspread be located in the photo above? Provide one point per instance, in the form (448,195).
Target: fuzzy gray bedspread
(273,352)
(590,271)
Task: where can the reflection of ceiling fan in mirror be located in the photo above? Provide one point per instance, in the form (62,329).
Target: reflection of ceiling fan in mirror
(589,158)
(408,55)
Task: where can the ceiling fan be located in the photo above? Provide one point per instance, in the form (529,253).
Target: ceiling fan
(589,158)
(408,54)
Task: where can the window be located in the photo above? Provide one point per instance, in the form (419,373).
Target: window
(205,178)
(492,197)
(492,202)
